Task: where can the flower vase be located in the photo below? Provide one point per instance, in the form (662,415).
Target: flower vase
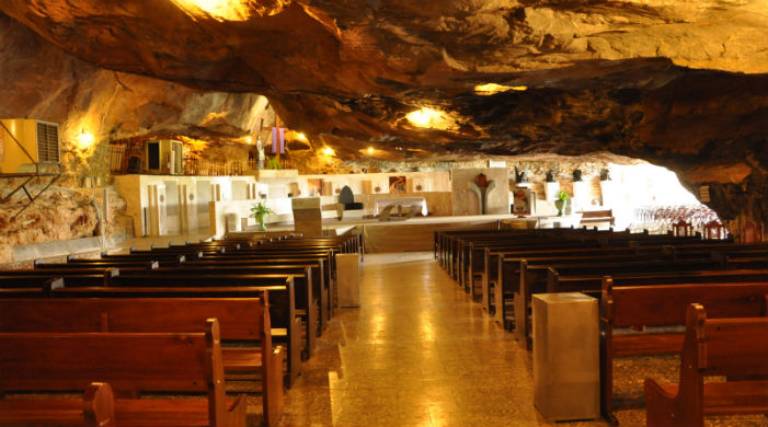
(560,205)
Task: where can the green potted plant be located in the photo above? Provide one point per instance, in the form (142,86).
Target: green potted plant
(561,202)
(260,212)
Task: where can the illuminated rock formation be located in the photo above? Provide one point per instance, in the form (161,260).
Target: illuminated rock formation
(657,79)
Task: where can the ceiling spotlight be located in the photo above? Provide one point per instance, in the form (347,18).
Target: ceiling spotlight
(430,118)
(328,151)
(371,151)
(248,140)
(494,88)
(301,136)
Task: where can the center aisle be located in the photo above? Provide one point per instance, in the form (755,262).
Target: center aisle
(417,353)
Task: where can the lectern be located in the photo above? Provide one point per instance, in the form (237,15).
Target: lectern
(307,217)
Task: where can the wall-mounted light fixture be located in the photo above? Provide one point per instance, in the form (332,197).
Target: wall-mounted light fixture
(85,140)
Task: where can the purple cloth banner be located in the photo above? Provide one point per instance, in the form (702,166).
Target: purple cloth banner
(278,140)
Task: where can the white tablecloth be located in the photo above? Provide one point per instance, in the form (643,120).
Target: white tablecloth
(380,204)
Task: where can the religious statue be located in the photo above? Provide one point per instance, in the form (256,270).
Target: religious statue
(481,186)
(260,149)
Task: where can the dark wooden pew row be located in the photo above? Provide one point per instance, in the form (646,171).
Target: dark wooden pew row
(322,257)
(307,305)
(101,263)
(533,279)
(286,326)
(39,278)
(281,288)
(717,249)
(518,277)
(476,248)
(241,321)
(164,259)
(587,283)
(96,408)
(507,267)
(625,309)
(735,347)
(322,288)
(132,363)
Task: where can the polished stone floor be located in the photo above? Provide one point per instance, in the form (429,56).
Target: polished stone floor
(417,353)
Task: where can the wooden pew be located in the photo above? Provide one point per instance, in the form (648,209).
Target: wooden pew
(39,278)
(77,264)
(286,326)
(95,409)
(323,257)
(132,364)
(736,347)
(241,321)
(534,279)
(303,303)
(633,307)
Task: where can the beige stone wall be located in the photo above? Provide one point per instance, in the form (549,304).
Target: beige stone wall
(465,202)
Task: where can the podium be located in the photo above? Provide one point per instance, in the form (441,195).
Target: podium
(307,217)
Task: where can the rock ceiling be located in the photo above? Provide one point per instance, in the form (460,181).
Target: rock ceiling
(680,83)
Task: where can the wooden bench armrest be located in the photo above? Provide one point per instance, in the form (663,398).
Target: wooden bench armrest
(660,405)
(273,388)
(236,412)
(99,405)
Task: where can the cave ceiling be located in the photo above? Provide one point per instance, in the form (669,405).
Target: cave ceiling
(681,83)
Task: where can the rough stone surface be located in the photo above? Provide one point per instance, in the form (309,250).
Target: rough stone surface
(654,79)
(40,81)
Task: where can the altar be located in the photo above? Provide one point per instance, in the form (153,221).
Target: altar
(380,204)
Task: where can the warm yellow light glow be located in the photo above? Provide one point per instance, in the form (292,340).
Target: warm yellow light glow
(371,151)
(222,10)
(85,140)
(301,136)
(248,140)
(493,88)
(431,118)
(328,151)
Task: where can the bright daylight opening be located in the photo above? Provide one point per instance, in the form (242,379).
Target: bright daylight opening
(650,197)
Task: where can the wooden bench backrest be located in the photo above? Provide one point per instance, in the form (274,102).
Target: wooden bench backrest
(726,347)
(192,279)
(239,318)
(129,362)
(665,305)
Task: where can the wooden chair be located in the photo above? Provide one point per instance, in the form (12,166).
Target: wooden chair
(133,364)
(714,230)
(682,229)
(95,409)
(735,348)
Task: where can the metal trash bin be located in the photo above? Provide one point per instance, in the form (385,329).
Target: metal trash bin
(566,356)
(348,280)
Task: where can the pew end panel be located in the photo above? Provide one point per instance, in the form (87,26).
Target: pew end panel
(734,348)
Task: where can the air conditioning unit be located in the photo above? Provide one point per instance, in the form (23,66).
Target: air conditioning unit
(165,157)
(39,139)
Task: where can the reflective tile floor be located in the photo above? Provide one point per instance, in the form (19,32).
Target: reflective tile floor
(416,353)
